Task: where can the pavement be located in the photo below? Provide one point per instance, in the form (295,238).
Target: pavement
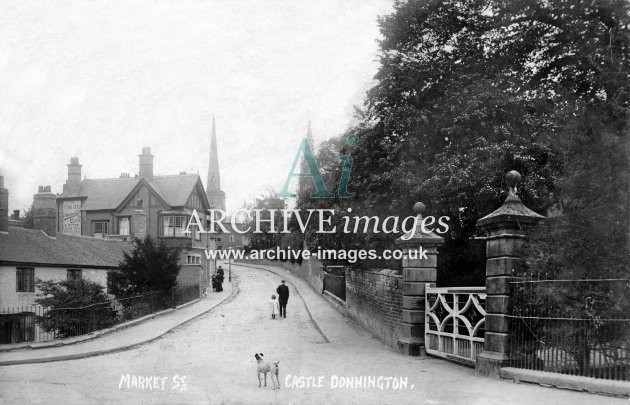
(116,339)
(209,359)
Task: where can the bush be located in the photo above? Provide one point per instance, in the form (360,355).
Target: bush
(74,307)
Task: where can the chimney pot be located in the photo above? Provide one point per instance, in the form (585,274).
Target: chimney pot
(146,163)
(4,207)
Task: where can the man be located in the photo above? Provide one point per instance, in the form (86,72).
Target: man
(283,297)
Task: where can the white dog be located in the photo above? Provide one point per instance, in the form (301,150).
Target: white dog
(264,367)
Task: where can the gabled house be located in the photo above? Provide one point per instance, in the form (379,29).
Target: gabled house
(128,207)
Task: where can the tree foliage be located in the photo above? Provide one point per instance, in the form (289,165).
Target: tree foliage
(74,307)
(470,89)
(27,218)
(151,266)
(264,239)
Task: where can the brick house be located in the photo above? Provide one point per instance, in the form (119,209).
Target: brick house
(128,207)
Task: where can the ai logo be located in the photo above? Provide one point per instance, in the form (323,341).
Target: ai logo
(321,190)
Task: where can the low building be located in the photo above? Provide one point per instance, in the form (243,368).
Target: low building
(29,255)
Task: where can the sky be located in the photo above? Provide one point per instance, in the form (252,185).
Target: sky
(101,79)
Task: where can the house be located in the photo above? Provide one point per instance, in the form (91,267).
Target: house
(29,255)
(133,207)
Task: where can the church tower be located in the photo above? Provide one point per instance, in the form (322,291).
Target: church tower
(215,195)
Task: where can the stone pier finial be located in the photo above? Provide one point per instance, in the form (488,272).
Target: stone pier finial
(512,178)
(418,237)
(419,208)
(512,211)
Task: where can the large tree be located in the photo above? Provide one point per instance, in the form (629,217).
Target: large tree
(151,266)
(470,89)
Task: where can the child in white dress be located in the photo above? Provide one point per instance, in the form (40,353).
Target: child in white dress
(274,305)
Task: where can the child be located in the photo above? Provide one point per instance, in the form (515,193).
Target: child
(275,306)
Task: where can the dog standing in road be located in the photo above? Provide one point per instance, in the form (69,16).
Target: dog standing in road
(264,367)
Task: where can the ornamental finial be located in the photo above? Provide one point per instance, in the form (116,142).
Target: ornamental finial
(512,178)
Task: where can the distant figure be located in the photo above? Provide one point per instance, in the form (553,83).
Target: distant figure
(219,279)
(274,306)
(216,283)
(283,298)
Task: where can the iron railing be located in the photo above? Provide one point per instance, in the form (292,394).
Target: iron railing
(335,281)
(36,323)
(576,327)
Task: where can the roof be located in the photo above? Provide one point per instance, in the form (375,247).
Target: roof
(30,246)
(108,194)
(175,189)
(512,210)
(103,194)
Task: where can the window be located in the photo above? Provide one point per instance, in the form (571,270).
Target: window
(231,238)
(101,229)
(180,225)
(174,226)
(193,259)
(168,226)
(123,226)
(75,274)
(25,279)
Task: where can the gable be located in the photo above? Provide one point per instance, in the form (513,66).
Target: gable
(197,198)
(143,195)
(176,189)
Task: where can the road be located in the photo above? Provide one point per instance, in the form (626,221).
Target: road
(211,360)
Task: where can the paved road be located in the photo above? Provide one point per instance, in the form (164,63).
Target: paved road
(211,360)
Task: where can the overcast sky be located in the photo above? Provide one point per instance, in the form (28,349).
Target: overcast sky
(101,79)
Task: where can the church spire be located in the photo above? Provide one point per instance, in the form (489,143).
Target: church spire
(309,136)
(215,195)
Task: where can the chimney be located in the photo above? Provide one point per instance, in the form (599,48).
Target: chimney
(73,184)
(146,163)
(124,175)
(45,210)
(4,207)
(16,215)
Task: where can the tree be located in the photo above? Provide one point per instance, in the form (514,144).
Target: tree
(27,218)
(265,239)
(151,266)
(74,307)
(470,89)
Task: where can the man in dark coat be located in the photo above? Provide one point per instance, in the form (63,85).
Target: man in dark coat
(283,297)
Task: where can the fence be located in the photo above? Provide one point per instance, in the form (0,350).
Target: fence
(38,324)
(335,281)
(455,319)
(576,327)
